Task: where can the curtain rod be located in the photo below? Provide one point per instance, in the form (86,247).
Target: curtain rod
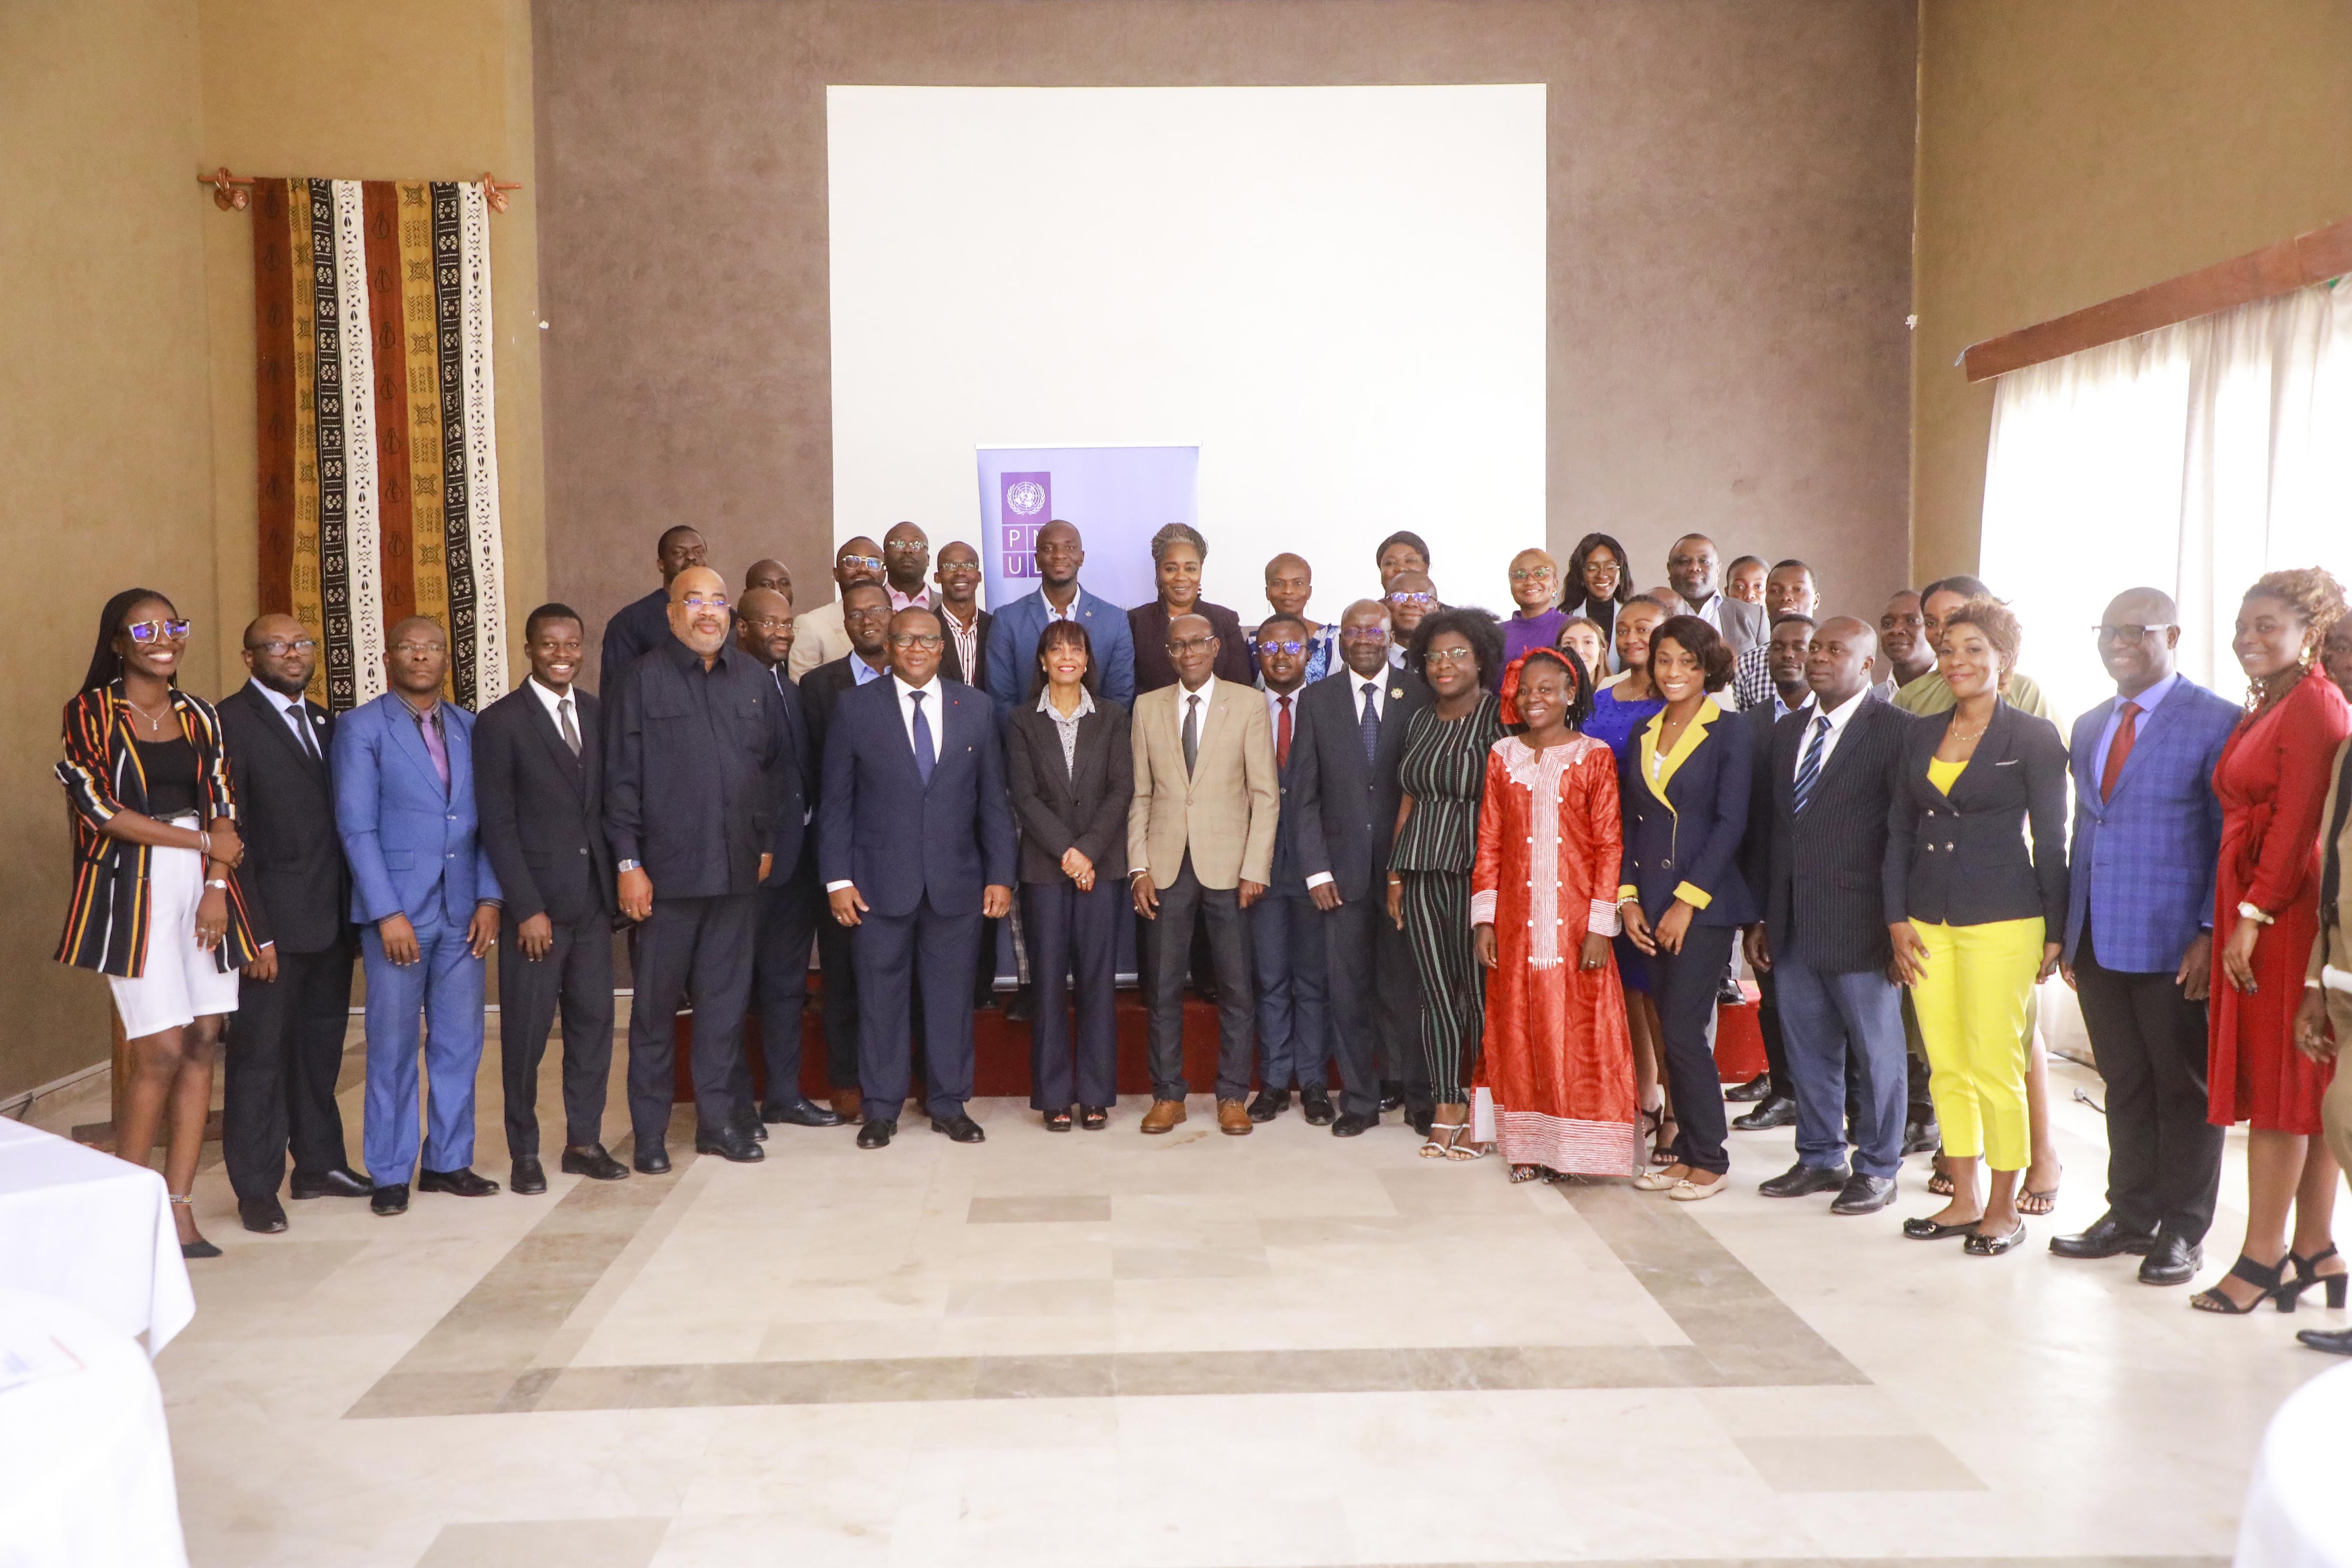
(231,193)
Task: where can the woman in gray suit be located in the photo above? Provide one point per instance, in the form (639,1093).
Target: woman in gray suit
(1072,772)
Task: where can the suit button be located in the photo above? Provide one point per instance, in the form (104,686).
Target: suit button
(1667,865)
(584,849)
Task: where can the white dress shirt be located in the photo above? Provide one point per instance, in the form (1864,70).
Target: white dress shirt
(1839,717)
(553,703)
(930,690)
(297,714)
(1710,611)
(1274,701)
(1355,687)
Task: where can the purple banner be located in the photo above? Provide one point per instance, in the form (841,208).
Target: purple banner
(1025,503)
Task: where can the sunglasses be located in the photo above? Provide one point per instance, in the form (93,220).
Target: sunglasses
(156,631)
(871,563)
(1421,600)
(1270,648)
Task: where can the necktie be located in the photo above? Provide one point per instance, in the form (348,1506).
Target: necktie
(429,727)
(1282,736)
(1192,734)
(570,731)
(1368,725)
(2126,731)
(926,758)
(1808,771)
(302,731)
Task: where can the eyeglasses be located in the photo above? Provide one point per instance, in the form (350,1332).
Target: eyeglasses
(418,647)
(1363,634)
(1450,655)
(871,563)
(1530,574)
(1271,648)
(770,624)
(928,641)
(1421,600)
(705,601)
(904,546)
(279,647)
(1601,566)
(150,631)
(2125,634)
(1190,645)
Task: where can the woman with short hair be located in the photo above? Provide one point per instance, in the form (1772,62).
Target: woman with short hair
(1537,620)
(1177,553)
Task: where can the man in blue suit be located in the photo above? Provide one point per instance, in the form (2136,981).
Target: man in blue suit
(2139,943)
(915,844)
(1013,639)
(1294,1021)
(426,902)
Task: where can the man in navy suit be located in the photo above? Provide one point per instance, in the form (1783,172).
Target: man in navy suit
(916,846)
(426,900)
(1294,1025)
(1013,638)
(1341,795)
(2139,943)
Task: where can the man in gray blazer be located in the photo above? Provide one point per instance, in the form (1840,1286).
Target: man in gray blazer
(1694,570)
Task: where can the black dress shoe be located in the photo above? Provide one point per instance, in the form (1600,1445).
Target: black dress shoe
(594,1163)
(2171,1261)
(1392,1095)
(1269,1104)
(1347,1124)
(1982,1246)
(2106,1236)
(1419,1114)
(2334,1342)
(650,1160)
(1929,1230)
(963,1129)
(1921,1138)
(875,1135)
(1779,1111)
(528,1177)
(1317,1106)
(458,1183)
(1757,1087)
(390,1199)
(1728,994)
(754,1129)
(1864,1195)
(263,1215)
(799,1112)
(1019,1006)
(729,1143)
(339,1181)
(1801,1181)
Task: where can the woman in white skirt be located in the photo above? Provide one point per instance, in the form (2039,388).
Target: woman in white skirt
(156,908)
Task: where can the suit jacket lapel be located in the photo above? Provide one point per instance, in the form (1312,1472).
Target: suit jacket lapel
(2084,765)
(1992,750)
(407,736)
(552,738)
(2151,724)
(314,766)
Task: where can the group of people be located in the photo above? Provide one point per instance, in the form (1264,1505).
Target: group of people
(1497,872)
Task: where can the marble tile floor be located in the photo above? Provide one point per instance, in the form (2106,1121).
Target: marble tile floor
(1192,1351)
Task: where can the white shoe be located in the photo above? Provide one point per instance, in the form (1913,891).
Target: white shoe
(1656,1181)
(1689,1191)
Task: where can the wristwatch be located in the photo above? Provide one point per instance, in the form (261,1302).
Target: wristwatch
(2261,917)
(220,882)
(629,866)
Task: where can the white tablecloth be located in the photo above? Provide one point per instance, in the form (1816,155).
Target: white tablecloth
(84,1459)
(2299,1505)
(88,1229)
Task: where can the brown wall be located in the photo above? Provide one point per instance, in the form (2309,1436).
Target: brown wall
(2074,150)
(1730,210)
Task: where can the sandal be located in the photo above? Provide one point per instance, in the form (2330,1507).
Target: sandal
(2267,1283)
(1462,1151)
(2307,1274)
(1662,1152)
(1439,1145)
(2030,1202)
(1094,1118)
(1941,1183)
(1058,1121)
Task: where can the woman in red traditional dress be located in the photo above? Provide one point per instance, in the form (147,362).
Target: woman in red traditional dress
(2272,781)
(1559,1058)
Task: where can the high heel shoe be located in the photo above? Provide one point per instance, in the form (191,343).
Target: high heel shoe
(2266,1280)
(2307,1274)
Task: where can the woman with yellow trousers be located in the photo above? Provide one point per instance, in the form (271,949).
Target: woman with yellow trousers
(1974,911)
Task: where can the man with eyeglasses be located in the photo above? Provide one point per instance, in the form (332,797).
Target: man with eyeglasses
(1294,1028)
(1410,598)
(905,564)
(642,625)
(285,1042)
(698,745)
(915,845)
(2139,939)
(821,635)
(1343,796)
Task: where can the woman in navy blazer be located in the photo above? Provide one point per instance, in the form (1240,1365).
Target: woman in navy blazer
(1682,898)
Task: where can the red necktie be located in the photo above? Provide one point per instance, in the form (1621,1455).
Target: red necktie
(1282,736)
(2125,733)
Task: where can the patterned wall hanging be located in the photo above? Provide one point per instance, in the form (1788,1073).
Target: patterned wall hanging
(379,471)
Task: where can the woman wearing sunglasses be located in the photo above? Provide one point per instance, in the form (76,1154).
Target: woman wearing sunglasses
(155,905)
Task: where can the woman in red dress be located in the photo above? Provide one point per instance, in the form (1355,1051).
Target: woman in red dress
(1557,1061)
(2272,781)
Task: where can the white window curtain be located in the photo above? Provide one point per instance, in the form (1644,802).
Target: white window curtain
(2193,459)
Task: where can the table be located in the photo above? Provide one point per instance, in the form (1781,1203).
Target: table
(85,1458)
(88,1229)
(2296,1515)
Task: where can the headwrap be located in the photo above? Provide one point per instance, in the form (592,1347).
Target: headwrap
(1509,690)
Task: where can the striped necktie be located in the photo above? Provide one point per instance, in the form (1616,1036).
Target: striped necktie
(1808,772)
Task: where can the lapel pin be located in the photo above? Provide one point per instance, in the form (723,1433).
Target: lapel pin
(1396,691)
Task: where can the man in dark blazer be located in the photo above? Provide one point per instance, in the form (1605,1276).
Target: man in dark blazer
(1834,769)
(1291,965)
(642,625)
(286,1039)
(2139,939)
(1343,794)
(539,784)
(866,620)
(1785,692)
(791,900)
(915,844)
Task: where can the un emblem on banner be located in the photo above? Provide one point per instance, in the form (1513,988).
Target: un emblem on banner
(1027,498)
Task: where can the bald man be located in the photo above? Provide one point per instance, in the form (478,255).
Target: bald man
(769,572)
(819,635)
(643,624)
(906,566)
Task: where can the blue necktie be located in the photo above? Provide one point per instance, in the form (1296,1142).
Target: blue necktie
(1369,724)
(926,758)
(1808,772)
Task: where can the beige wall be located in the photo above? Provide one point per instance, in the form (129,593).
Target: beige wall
(126,348)
(2074,150)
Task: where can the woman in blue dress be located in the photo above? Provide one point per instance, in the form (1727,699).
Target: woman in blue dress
(1619,711)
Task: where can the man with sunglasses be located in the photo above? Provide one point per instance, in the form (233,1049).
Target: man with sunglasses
(644,624)
(285,1042)
(820,637)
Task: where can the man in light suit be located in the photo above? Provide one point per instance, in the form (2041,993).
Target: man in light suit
(1199,840)
(2139,943)
(1013,636)
(426,899)
(1344,794)
(820,637)
(539,777)
(915,844)
(1691,568)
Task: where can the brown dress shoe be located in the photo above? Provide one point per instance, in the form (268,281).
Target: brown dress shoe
(1165,1114)
(1233,1119)
(848,1104)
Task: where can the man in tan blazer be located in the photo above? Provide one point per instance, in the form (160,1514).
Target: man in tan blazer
(1200,837)
(2323,1026)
